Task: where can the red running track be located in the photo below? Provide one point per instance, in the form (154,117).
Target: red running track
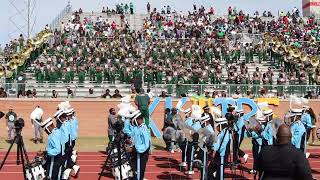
(161,165)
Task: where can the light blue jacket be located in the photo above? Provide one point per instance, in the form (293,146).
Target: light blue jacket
(306,120)
(54,143)
(141,138)
(297,131)
(74,128)
(267,134)
(225,141)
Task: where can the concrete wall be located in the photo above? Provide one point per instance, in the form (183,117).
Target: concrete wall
(93,114)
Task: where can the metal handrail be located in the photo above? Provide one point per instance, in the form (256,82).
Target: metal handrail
(171,89)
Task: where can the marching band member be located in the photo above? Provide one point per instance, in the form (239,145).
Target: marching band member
(54,160)
(61,117)
(221,148)
(297,129)
(184,145)
(240,131)
(267,133)
(70,154)
(141,140)
(256,145)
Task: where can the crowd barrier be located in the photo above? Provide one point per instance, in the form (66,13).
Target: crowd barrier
(173,90)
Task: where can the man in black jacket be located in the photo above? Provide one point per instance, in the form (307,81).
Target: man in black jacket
(283,161)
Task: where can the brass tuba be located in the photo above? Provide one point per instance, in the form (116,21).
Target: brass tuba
(303,56)
(2,70)
(314,61)
(295,52)
(9,74)
(13,64)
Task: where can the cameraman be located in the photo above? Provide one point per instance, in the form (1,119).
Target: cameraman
(11,118)
(112,119)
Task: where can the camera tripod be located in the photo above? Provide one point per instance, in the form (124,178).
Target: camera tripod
(115,144)
(22,155)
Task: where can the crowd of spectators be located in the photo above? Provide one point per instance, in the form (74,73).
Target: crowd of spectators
(181,49)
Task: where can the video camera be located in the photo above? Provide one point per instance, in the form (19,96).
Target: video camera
(19,124)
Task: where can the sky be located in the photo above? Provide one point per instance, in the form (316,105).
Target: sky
(46,10)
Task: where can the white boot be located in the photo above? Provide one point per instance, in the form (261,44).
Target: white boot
(183,164)
(74,158)
(246,157)
(76,170)
(189,172)
(74,152)
(307,155)
(66,174)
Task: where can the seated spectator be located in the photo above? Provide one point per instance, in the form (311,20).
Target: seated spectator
(163,94)
(34,93)
(3,93)
(237,94)
(263,93)
(91,94)
(29,94)
(214,94)
(21,94)
(308,95)
(54,94)
(150,94)
(206,94)
(69,92)
(103,10)
(116,94)
(249,94)
(107,94)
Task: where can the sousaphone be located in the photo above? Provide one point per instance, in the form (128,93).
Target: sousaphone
(314,60)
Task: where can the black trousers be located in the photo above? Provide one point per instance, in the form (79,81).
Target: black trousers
(255,153)
(139,163)
(68,153)
(54,167)
(183,148)
(237,152)
(308,130)
(190,155)
(218,165)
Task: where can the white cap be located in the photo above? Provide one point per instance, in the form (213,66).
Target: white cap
(187,111)
(306,107)
(296,111)
(58,113)
(69,111)
(220,121)
(204,119)
(135,114)
(47,123)
(268,112)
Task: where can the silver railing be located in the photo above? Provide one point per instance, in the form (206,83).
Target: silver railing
(56,21)
(175,90)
